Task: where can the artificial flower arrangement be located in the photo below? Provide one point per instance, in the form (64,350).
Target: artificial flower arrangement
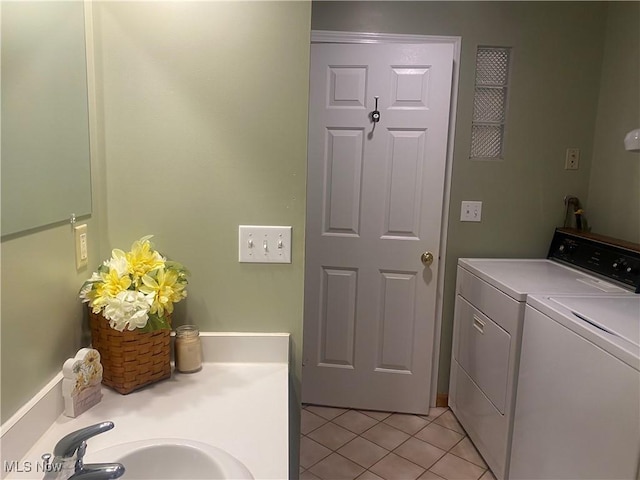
(136,289)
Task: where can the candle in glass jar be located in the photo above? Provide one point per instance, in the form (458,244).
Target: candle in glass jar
(188,349)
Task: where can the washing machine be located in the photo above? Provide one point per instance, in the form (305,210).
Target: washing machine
(491,296)
(577,410)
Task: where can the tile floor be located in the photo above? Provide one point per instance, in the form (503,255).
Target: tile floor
(341,444)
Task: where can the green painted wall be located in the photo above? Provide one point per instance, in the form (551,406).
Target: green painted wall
(42,320)
(204,107)
(557,54)
(202,126)
(205,113)
(613,207)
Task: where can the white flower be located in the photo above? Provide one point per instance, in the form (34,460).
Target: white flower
(128,309)
(118,262)
(88,286)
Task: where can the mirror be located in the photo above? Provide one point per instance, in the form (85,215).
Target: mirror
(45,174)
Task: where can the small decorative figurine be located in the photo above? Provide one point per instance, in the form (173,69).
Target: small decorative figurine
(81,384)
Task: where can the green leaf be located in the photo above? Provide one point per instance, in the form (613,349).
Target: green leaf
(87,283)
(156,323)
(173,265)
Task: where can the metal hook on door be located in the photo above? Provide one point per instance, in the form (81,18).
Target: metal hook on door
(375,118)
(375,115)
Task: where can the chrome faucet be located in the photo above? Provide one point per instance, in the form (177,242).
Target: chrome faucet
(68,455)
(99,471)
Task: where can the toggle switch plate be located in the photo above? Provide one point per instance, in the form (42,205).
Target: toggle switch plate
(471,211)
(264,244)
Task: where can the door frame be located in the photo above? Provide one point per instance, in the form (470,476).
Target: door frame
(327,36)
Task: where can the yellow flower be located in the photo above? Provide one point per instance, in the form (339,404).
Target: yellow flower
(166,289)
(130,286)
(92,358)
(81,382)
(142,259)
(95,374)
(111,285)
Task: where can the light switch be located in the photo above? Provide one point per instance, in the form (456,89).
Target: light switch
(82,249)
(471,211)
(264,244)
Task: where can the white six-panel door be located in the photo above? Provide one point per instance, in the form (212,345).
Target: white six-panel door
(374,205)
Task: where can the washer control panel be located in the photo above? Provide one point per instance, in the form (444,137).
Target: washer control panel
(613,259)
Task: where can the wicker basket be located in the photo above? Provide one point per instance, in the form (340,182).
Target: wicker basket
(130,359)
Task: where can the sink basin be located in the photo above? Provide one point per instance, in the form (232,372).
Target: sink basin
(172,458)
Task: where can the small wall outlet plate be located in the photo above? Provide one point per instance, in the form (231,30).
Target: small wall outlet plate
(81,244)
(471,211)
(572,159)
(264,244)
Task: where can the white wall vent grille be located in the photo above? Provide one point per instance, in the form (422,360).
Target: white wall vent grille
(490,102)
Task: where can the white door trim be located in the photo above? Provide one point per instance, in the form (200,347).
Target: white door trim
(326,36)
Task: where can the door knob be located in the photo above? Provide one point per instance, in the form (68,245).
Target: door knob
(426,258)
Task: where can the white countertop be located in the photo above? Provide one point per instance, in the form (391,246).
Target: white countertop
(238,406)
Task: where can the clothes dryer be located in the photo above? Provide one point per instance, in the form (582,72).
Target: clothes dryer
(491,296)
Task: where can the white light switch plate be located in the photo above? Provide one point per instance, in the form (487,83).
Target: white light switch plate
(264,244)
(471,211)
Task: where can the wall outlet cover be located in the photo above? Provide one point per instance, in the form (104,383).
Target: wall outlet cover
(572,159)
(81,245)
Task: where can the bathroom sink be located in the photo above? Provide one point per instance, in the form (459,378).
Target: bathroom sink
(172,458)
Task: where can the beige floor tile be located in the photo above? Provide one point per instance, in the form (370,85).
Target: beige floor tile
(394,467)
(410,424)
(355,421)
(309,421)
(326,412)
(434,413)
(385,435)
(466,450)
(429,475)
(439,436)
(369,476)
(311,452)
(331,436)
(330,448)
(448,420)
(456,468)
(487,476)
(336,467)
(419,452)
(307,475)
(363,452)
(375,414)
